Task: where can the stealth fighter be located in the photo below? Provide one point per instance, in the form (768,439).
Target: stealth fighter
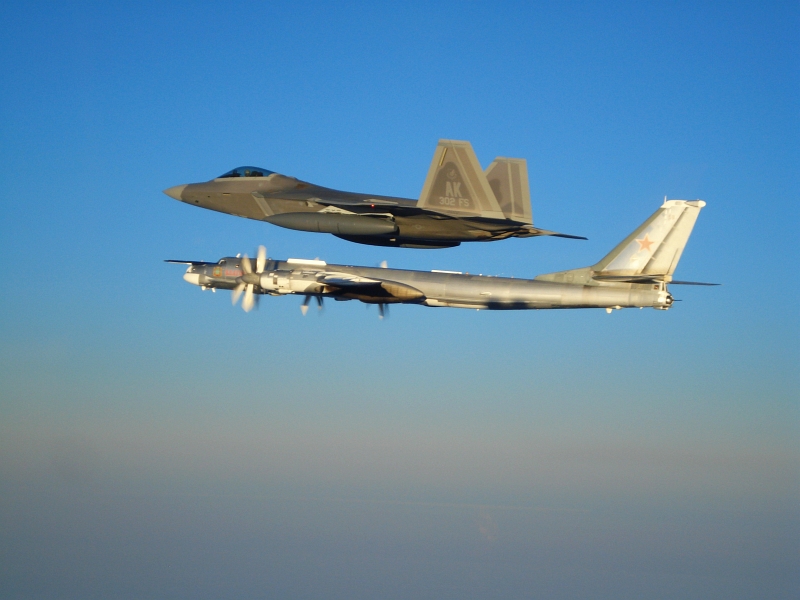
(459,203)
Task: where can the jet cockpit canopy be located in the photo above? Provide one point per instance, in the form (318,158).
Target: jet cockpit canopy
(247,172)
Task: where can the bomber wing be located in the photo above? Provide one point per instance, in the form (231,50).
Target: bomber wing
(194,263)
(370,287)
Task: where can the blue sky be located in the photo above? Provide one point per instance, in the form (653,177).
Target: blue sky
(156,441)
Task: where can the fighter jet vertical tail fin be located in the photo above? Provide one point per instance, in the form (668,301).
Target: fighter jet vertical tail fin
(657,244)
(457,185)
(508,178)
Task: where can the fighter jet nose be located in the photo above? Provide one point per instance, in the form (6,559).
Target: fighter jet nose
(175,192)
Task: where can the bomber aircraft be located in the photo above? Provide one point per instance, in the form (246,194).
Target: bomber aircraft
(459,203)
(634,274)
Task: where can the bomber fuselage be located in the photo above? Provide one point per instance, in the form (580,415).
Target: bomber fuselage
(430,288)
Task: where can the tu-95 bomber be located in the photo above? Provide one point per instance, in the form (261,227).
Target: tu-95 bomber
(459,202)
(636,273)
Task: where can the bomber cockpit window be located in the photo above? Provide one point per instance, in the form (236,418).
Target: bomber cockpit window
(247,172)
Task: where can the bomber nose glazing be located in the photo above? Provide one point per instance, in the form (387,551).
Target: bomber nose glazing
(193,277)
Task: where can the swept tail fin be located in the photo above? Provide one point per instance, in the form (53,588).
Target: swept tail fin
(655,248)
(457,185)
(649,255)
(508,178)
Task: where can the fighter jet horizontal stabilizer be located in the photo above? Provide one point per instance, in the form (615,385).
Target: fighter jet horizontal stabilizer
(556,234)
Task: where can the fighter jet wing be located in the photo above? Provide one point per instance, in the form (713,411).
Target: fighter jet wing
(338,201)
(329,196)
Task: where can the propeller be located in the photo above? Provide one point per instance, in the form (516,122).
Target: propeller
(383,309)
(249,280)
(306,300)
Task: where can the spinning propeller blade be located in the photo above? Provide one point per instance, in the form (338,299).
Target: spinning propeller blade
(236,293)
(307,300)
(249,298)
(261,259)
(245,283)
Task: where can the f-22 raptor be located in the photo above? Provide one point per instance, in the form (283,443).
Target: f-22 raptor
(634,274)
(459,203)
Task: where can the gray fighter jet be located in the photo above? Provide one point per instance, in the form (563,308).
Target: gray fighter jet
(634,274)
(459,203)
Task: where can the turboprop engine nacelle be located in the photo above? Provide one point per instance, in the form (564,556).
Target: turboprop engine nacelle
(287,282)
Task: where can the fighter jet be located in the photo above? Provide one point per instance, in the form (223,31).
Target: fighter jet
(459,203)
(634,274)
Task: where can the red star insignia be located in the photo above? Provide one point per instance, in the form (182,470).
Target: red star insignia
(644,244)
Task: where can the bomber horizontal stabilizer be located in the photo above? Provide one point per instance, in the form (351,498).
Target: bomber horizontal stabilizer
(630,278)
(645,279)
